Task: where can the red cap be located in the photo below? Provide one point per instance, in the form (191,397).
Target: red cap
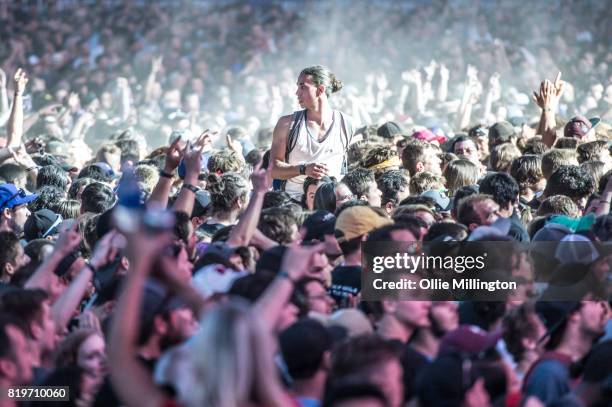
(469,339)
(577,127)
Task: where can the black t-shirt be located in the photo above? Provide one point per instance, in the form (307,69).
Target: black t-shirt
(210,228)
(346,280)
(106,396)
(412,363)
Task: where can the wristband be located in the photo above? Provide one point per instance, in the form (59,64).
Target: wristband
(165,174)
(190,187)
(302,169)
(285,275)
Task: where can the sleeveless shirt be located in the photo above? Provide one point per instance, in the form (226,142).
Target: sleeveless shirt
(329,150)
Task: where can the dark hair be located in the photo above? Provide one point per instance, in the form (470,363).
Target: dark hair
(466,214)
(555,158)
(461,139)
(603,181)
(461,193)
(52,175)
(602,229)
(97,198)
(383,233)
(48,196)
(182,224)
(570,180)
(11,173)
(25,304)
(595,169)
(535,145)
(276,223)
(8,248)
(253,157)
(349,204)
(362,354)
(502,155)
(377,155)
(501,186)
(346,390)
(225,190)
(456,231)
(391,183)
(325,197)
(77,184)
(275,199)
(358,181)
(303,346)
(94,172)
(67,208)
(527,171)
(566,143)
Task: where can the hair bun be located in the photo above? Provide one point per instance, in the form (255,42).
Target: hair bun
(336,85)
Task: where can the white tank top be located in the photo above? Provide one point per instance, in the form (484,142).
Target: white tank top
(330,150)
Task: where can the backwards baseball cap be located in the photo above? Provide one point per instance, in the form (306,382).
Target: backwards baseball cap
(319,224)
(442,202)
(579,126)
(11,196)
(42,224)
(576,249)
(357,221)
(555,313)
(389,130)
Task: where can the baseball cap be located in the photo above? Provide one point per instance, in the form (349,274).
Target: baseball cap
(270,260)
(11,196)
(389,130)
(469,339)
(357,221)
(41,224)
(579,126)
(319,224)
(502,131)
(108,171)
(442,202)
(576,249)
(217,253)
(428,136)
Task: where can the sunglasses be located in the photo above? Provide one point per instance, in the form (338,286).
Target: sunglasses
(20,193)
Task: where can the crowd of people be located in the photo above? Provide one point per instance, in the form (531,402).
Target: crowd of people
(186,194)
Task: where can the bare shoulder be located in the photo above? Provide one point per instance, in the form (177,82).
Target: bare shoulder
(282,126)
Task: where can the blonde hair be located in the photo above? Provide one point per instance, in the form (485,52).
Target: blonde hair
(232,360)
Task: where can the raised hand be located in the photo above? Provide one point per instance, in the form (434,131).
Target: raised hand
(494,87)
(50,109)
(21,80)
(444,72)
(204,141)
(21,157)
(233,145)
(316,170)
(262,178)
(105,251)
(122,83)
(193,161)
(68,240)
(298,260)
(174,154)
(74,101)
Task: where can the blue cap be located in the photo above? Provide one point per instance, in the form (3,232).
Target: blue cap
(11,196)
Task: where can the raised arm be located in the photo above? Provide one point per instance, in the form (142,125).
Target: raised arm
(296,264)
(193,163)
(548,101)
(63,309)
(15,122)
(131,380)
(43,277)
(156,66)
(242,233)
(160,193)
